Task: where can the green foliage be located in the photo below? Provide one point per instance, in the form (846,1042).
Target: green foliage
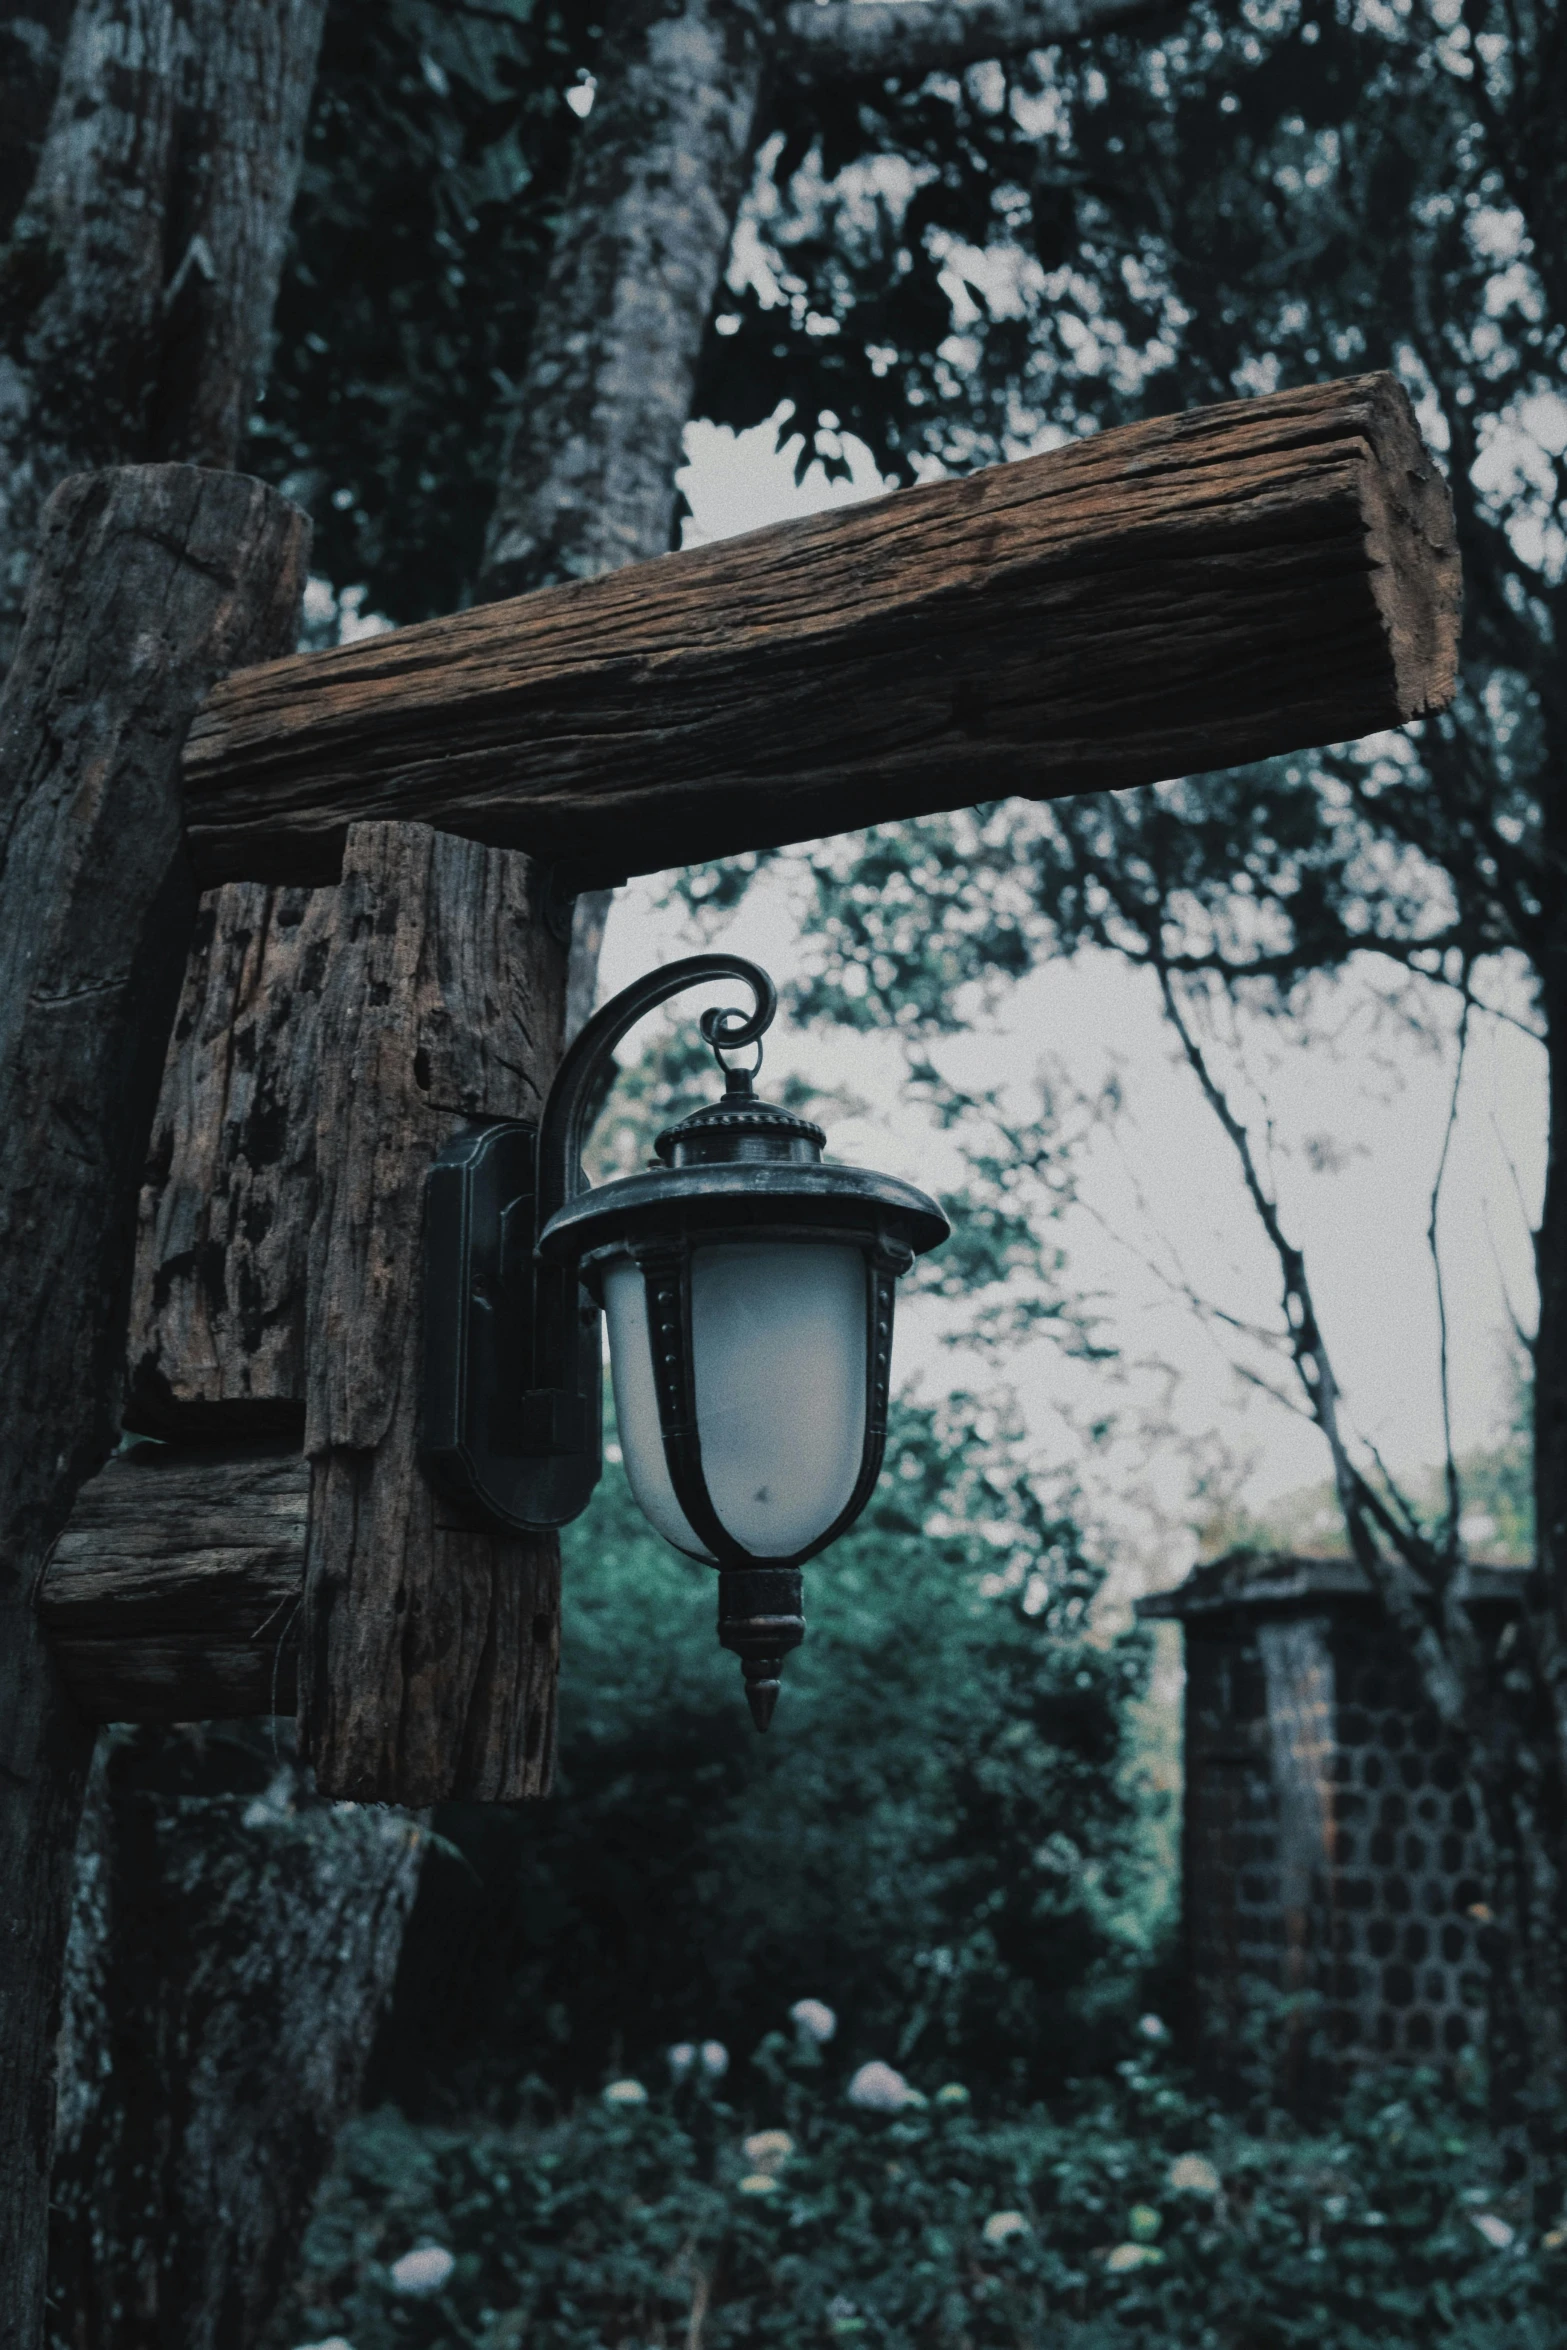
(1138,2216)
(1199,205)
(941,1826)
(437,152)
(1240,200)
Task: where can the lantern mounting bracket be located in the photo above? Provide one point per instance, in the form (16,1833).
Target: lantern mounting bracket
(512,1392)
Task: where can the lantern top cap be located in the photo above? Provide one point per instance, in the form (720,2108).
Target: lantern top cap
(739,1127)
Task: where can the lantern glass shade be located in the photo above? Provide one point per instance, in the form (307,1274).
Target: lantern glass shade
(778,1337)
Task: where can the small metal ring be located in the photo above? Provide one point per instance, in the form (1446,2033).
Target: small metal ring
(718,1055)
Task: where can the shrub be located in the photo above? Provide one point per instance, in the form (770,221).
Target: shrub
(795,2216)
(915,1831)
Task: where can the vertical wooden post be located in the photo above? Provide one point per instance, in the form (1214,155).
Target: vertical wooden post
(216,1351)
(428,1651)
(150,582)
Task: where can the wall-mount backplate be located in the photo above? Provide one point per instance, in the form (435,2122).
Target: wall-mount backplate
(509,1446)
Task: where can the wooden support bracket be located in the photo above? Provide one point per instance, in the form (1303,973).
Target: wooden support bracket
(281,1542)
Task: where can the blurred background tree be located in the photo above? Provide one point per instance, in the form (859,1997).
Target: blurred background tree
(946,1844)
(1256,200)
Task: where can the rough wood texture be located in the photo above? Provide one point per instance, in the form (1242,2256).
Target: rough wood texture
(1173,596)
(149,583)
(144,263)
(231,1952)
(216,1349)
(429,1650)
(174,1592)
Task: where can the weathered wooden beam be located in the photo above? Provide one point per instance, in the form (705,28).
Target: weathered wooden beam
(429,1648)
(1158,600)
(174,1593)
(149,582)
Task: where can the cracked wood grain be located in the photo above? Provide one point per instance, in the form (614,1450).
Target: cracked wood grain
(429,1648)
(1169,597)
(174,1593)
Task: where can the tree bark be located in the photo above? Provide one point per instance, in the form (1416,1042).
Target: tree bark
(588,477)
(1550,1241)
(142,276)
(32,42)
(143,267)
(207,2066)
(150,583)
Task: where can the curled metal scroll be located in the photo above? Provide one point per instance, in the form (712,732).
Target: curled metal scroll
(574,1094)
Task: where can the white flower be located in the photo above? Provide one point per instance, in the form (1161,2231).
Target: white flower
(276,1804)
(680,2059)
(1125,2257)
(768,2150)
(1003,2224)
(1493,2228)
(1193,2174)
(1153,2027)
(332,2342)
(878,2089)
(715,2059)
(625,2093)
(424,2270)
(814,2020)
(759,2182)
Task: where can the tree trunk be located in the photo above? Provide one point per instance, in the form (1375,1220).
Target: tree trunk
(206,2067)
(32,41)
(144,264)
(144,267)
(588,479)
(1550,1241)
(150,583)
(1543,1793)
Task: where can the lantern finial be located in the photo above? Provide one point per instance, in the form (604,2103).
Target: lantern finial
(761,1616)
(761,1694)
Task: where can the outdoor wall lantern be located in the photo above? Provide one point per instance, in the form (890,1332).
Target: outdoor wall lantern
(749,1287)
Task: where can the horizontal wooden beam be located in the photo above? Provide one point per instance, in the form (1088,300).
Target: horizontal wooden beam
(1159,600)
(174,1593)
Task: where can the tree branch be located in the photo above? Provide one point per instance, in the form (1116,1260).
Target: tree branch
(1450,1544)
(1407,1572)
(845,39)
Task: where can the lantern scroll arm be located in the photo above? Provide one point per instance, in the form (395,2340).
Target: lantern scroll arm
(573,1100)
